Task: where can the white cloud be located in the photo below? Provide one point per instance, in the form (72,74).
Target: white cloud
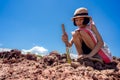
(36,50)
(4,49)
(73,56)
(39,51)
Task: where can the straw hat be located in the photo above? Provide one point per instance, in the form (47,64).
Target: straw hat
(81,12)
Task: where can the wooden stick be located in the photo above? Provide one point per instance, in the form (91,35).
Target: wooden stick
(63,28)
(67,49)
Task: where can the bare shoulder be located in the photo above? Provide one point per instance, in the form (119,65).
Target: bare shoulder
(94,29)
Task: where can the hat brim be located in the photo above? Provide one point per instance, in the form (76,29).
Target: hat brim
(79,17)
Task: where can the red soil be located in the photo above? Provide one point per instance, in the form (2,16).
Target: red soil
(17,66)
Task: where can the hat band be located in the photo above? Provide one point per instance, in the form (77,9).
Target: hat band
(81,14)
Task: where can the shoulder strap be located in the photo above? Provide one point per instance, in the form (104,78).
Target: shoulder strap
(91,23)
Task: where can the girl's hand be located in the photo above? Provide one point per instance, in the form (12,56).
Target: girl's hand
(87,56)
(84,56)
(81,56)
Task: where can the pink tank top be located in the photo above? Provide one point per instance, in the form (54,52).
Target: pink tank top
(104,52)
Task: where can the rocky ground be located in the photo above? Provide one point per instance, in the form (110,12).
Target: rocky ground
(17,66)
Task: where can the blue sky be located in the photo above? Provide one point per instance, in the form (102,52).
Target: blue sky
(28,23)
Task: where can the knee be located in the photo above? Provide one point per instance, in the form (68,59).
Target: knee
(75,34)
(83,33)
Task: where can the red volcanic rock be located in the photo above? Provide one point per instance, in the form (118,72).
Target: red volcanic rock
(54,66)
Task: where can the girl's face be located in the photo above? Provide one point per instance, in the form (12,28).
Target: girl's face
(79,21)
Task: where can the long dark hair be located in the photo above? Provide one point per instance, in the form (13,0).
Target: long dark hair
(85,22)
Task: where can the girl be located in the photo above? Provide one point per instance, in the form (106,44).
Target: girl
(87,39)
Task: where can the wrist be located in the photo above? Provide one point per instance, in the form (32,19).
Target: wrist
(67,44)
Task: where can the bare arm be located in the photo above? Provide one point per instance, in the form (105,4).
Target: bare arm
(70,42)
(99,43)
(65,40)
